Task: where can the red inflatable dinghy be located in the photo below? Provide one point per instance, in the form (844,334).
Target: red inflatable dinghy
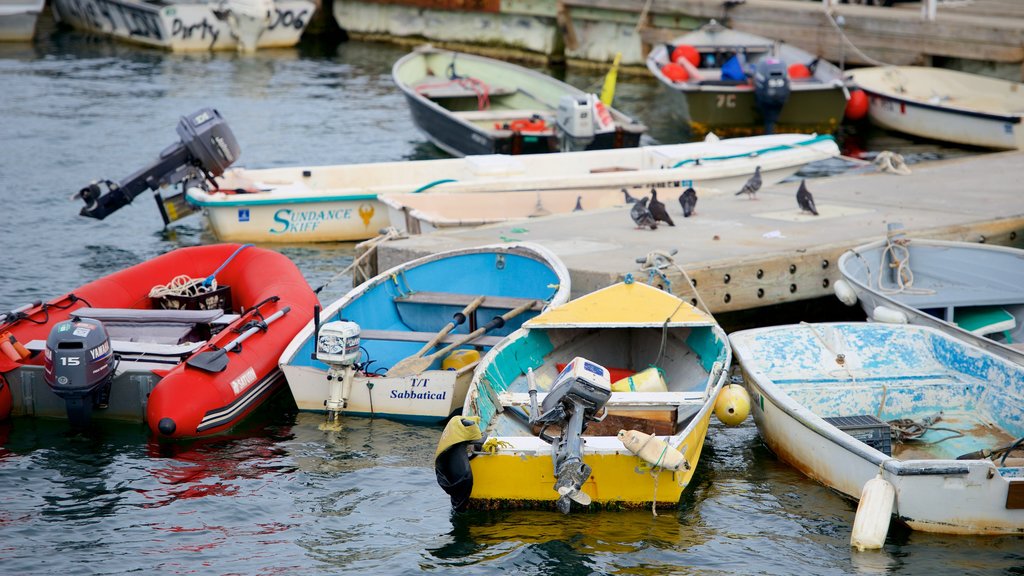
(187,342)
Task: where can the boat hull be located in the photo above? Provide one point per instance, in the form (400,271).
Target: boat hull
(948,277)
(180,27)
(943,494)
(620,327)
(153,382)
(339,203)
(475,107)
(323,219)
(947,105)
(734,113)
(18,19)
(399,310)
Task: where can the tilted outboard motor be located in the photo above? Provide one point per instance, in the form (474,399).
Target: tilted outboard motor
(771,90)
(580,391)
(79,367)
(207,148)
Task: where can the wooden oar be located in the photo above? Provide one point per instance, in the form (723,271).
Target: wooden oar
(417,364)
(217,360)
(459,318)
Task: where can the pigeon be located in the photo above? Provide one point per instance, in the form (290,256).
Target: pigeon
(642,216)
(752,185)
(579,205)
(629,199)
(804,199)
(688,200)
(658,211)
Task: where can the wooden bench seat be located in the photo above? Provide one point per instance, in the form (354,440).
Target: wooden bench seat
(435,88)
(500,115)
(461,300)
(404,336)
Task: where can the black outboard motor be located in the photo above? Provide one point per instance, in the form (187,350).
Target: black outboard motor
(580,391)
(79,367)
(771,90)
(207,148)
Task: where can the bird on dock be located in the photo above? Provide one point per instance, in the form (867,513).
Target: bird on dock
(658,211)
(804,199)
(579,204)
(642,215)
(752,185)
(688,200)
(629,199)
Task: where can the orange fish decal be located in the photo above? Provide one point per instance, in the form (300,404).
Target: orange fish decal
(366,213)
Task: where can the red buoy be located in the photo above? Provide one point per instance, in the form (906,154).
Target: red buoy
(857,107)
(688,52)
(799,71)
(675,72)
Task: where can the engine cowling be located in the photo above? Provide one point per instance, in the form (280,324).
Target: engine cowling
(79,366)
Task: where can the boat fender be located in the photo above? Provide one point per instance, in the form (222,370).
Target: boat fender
(451,460)
(733,405)
(888,315)
(871,524)
(845,292)
(648,380)
(653,450)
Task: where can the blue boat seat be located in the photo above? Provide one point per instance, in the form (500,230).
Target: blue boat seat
(406,336)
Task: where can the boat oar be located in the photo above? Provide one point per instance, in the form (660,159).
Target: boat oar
(459,318)
(217,360)
(416,364)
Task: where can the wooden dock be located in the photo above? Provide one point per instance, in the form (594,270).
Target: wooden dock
(744,254)
(592,32)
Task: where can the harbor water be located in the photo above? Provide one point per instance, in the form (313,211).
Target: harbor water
(280,495)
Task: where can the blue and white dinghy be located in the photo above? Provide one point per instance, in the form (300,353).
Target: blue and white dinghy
(403,345)
(938,419)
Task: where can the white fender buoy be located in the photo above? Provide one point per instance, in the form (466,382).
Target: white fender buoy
(871,524)
(888,315)
(653,450)
(733,405)
(845,292)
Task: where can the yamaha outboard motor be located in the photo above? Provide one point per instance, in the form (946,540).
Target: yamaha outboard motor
(580,391)
(771,90)
(206,149)
(79,367)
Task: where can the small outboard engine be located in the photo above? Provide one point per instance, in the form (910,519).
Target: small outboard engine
(337,345)
(580,391)
(79,367)
(207,148)
(771,90)
(575,121)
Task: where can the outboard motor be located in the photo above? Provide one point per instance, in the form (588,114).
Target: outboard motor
(79,367)
(771,90)
(575,120)
(337,345)
(207,148)
(580,391)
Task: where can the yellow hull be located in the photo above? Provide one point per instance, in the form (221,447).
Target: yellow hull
(516,479)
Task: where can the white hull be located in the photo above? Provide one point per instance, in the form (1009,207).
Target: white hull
(18,19)
(183,27)
(307,196)
(945,105)
(892,371)
(429,397)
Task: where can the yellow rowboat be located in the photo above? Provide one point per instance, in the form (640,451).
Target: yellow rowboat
(642,369)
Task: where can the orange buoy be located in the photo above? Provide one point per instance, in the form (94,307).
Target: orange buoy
(686,51)
(799,71)
(857,107)
(675,72)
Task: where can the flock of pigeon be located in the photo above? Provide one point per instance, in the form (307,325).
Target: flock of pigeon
(647,212)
